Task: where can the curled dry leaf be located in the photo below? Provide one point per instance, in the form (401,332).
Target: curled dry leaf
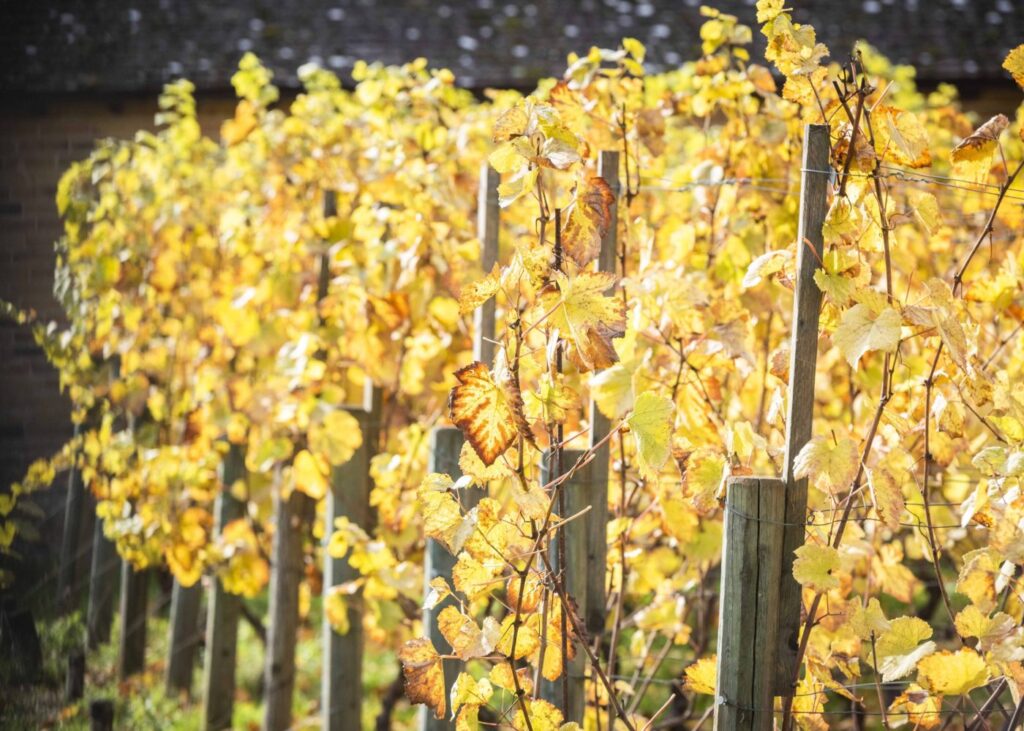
(588,219)
(424,675)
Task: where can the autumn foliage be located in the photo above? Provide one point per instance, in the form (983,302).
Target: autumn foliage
(212,301)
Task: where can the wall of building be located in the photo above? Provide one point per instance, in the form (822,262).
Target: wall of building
(39,139)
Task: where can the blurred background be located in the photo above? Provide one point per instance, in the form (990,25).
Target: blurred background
(75,71)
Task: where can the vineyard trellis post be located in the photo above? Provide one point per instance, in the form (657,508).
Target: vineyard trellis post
(349,497)
(132,641)
(74,514)
(103,575)
(290,518)
(577,576)
(803,363)
(600,425)
(223,610)
(765,517)
(446,442)
(183,636)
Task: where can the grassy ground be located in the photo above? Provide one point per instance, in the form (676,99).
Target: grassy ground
(142,702)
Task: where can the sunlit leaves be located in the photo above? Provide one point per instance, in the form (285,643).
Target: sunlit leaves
(310,475)
(864,329)
(953,673)
(336,437)
(899,648)
(467,639)
(700,676)
(972,158)
(829,462)
(586,317)
(1014,63)
(489,414)
(651,427)
(814,567)
(424,675)
(588,219)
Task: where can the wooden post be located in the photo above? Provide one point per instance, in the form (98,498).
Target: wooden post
(290,518)
(578,576)
(74,507)
(134,595)
(749,603)
(488,225)
(802,367)
(445,447)
(74,680)
(101,715)
(597,543)
(342,682)
(183,640)
(222,612)
(102,587)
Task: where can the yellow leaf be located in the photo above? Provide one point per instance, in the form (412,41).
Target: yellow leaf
(470,464)
(491,416)
(651,427)
(862,329)
(900,647)
(501,676)
(467,690)
(865,621)
(700,676)
(830,463)
(887,496)
(814,566)
(477,292)
(900,137)
(424,676)
(465,637)
(972,158)
(587,221)
(543,717)
(953,673)
(923,710)
(309,475)
(336,610)
(1014,63)
(336,438)
(586,317)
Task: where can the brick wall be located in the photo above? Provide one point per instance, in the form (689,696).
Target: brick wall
(39,139)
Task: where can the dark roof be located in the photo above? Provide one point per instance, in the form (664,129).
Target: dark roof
(137,45)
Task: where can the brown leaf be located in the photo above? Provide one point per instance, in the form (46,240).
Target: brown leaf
(490,415)
(588,220)
(424,675)
(981,141)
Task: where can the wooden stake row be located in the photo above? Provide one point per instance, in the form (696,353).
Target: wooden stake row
(760,601)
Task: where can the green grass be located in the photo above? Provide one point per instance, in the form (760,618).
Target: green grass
(142,703)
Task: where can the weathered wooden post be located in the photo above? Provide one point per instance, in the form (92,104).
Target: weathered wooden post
(577,576)
(349,497)
(102,587)
(803,363)
(446,442)
(134,596)
(75,504)
(222,611)
(765,517)
(597,519)
(749,608)
(291,515)
(74,679)
(101,715)
(183,639)
(488,227)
